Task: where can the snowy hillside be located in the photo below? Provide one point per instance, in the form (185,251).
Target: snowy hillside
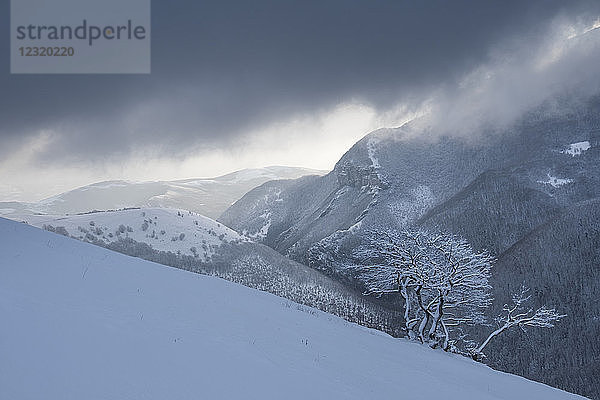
(189,241)
(81,322)
(178,231)
(206,196)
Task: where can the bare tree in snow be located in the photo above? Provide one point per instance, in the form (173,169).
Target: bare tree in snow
(443,281)
(521,315)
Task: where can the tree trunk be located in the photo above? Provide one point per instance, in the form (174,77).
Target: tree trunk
(404,294)
(427,315)
(446,336)
(492,335)
(436,318)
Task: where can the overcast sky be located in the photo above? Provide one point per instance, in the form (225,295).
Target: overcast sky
(249,84)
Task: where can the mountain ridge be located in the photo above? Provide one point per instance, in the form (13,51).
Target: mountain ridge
(206,196)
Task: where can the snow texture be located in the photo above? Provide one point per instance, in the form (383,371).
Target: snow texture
(556,182)
(371,148)
(575,149)
(81,322)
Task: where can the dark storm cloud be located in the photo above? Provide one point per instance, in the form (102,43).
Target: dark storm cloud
(222,68)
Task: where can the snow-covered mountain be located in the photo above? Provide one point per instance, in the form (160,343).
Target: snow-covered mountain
(529,194)
(82,322)
(206,196)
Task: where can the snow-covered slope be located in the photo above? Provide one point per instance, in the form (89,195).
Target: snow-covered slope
(81,322)
(177,231)
(189,241)
(207,196)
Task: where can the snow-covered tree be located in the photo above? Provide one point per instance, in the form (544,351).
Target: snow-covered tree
(520,314)
(443,281)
